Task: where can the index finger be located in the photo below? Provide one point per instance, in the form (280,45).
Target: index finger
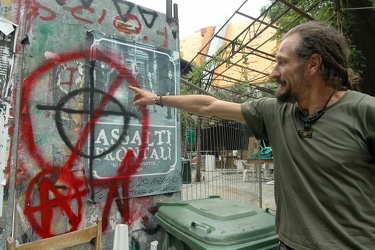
(134,88)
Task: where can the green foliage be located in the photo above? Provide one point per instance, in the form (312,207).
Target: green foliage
(286,18)
(196,74)
(357,60)
(270,85)
(319,10)
(235,93)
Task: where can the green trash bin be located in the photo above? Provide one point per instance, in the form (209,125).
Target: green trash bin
(216,224)
(186,172)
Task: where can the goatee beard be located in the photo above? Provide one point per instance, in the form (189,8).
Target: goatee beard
(286,97)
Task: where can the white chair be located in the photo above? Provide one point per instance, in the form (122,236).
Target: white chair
(266,170)
(247,167)
(238,164)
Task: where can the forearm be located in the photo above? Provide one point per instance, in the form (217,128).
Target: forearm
(203,105)
(197,104)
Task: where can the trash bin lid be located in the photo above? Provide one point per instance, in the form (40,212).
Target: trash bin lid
(217,221)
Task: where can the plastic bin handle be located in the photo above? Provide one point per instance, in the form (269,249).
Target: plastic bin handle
(201,227)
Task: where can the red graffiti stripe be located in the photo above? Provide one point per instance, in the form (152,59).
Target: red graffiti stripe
(76,190)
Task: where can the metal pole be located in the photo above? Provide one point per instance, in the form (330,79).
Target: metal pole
(198,171)
(10,218)
(337,7)
(169,8)
(260,176)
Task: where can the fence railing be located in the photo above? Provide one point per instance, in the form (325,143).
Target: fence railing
(216,162)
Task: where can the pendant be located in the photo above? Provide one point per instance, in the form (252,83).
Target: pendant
(305,133)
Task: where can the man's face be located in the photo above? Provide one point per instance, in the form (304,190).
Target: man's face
(289,71)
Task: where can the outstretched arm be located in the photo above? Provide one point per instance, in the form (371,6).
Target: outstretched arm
(203,105)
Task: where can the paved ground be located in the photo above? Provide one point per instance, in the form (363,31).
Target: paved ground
(268,196)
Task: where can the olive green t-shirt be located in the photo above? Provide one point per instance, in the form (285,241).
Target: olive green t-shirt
(324,185)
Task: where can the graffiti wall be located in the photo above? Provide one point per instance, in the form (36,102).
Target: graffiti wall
(72,145)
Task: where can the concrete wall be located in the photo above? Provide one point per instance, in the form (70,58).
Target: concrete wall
(65,160)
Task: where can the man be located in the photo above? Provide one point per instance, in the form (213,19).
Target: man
(323,138)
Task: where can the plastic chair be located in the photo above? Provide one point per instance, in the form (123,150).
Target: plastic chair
(247,168)
(63,241)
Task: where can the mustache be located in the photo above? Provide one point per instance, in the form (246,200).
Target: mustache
(280,81)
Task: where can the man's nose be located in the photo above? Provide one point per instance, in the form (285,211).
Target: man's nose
(275,73)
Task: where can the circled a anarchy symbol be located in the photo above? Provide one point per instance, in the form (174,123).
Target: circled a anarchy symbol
(44,203)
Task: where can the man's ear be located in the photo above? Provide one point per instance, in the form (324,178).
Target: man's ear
(314,64)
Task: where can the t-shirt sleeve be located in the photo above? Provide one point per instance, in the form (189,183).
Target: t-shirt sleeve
(255,114)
